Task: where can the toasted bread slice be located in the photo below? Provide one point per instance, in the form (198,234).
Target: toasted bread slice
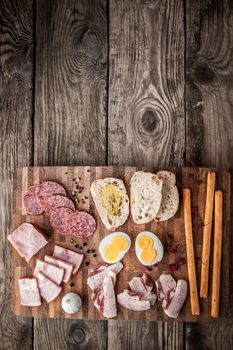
(170,196)
(145,196)
(111,200)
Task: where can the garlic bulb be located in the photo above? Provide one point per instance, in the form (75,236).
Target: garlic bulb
(71,303)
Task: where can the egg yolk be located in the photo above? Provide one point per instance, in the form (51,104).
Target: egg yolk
(148,254)
(120,242)
(111,252)
(117,245)
(145,242)
(111,199)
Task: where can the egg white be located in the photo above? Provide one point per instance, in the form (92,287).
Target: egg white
(157,246)
(108,240)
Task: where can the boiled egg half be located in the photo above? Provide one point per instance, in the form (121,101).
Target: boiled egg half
(114,247)
(148,248)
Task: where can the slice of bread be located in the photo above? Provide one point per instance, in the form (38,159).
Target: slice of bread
(111,200)
(145,196)
(170,196)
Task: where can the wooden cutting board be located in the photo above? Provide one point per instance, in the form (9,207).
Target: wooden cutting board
(171,234)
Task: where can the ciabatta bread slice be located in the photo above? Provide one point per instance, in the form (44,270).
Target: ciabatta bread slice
(170,196)
(111,200)
(145,196)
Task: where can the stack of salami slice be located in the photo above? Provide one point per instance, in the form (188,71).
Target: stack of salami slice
(50,197)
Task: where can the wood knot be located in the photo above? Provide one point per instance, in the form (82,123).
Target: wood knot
(76,335)
(149,121)
(202,73)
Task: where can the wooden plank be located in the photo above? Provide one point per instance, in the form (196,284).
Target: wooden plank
(146,112)
(70,117)
(16,76)
(209,33)
(187,177)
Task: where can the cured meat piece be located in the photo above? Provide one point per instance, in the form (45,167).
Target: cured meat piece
(144,287)
(173,306)
(104,298)
(81,224)
(109,309)
(58,201)
(47,189)
(48,289)
(29,292)
(96,275)
(68,256)
(54,273)
(30,201)
(58,220)
(68,268)
(27,239)
(165,286)
(132,301)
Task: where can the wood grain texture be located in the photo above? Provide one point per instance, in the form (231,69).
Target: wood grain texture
(209,33)
(186,177)
(71,79)
(146,123)
(70,117)
(16,71)
(146,83)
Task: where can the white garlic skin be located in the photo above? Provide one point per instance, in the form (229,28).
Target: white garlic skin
(71,303)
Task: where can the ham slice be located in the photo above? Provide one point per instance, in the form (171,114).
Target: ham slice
(68,256)
(54,273)
(48,289)
(173,307)
(29,292)
(166,286)
(132,301)
(68,268)
(97,274)
(28,240)
(144,287)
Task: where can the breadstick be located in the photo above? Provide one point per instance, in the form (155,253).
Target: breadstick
(190,252)
(207,235)
(217,253)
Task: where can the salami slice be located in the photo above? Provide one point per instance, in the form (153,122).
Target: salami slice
(81,224)
(59,220)
(47,189)
(58,201)
(30,201)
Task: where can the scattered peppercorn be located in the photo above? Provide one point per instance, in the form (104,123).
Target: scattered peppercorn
(72,284)
(76,246)
(85,197)
(85,243)
(80,247)
(66,172)
(92,250)
(88,170)
(94,255)
(74,179)
(87,263)
(88,251)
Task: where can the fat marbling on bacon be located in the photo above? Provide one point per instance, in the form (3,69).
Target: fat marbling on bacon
(97,274)
(132,301)
(144,287)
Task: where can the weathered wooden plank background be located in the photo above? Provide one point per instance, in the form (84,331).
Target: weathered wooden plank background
(120,82)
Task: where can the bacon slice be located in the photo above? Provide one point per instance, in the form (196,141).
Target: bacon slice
(144,287)
(165,286)
(173,307)
(97,274)
(68,256)
(132,301)
(29,292)
(109,309)
(28,240)
(68,268)
(54,273)
(48,289)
